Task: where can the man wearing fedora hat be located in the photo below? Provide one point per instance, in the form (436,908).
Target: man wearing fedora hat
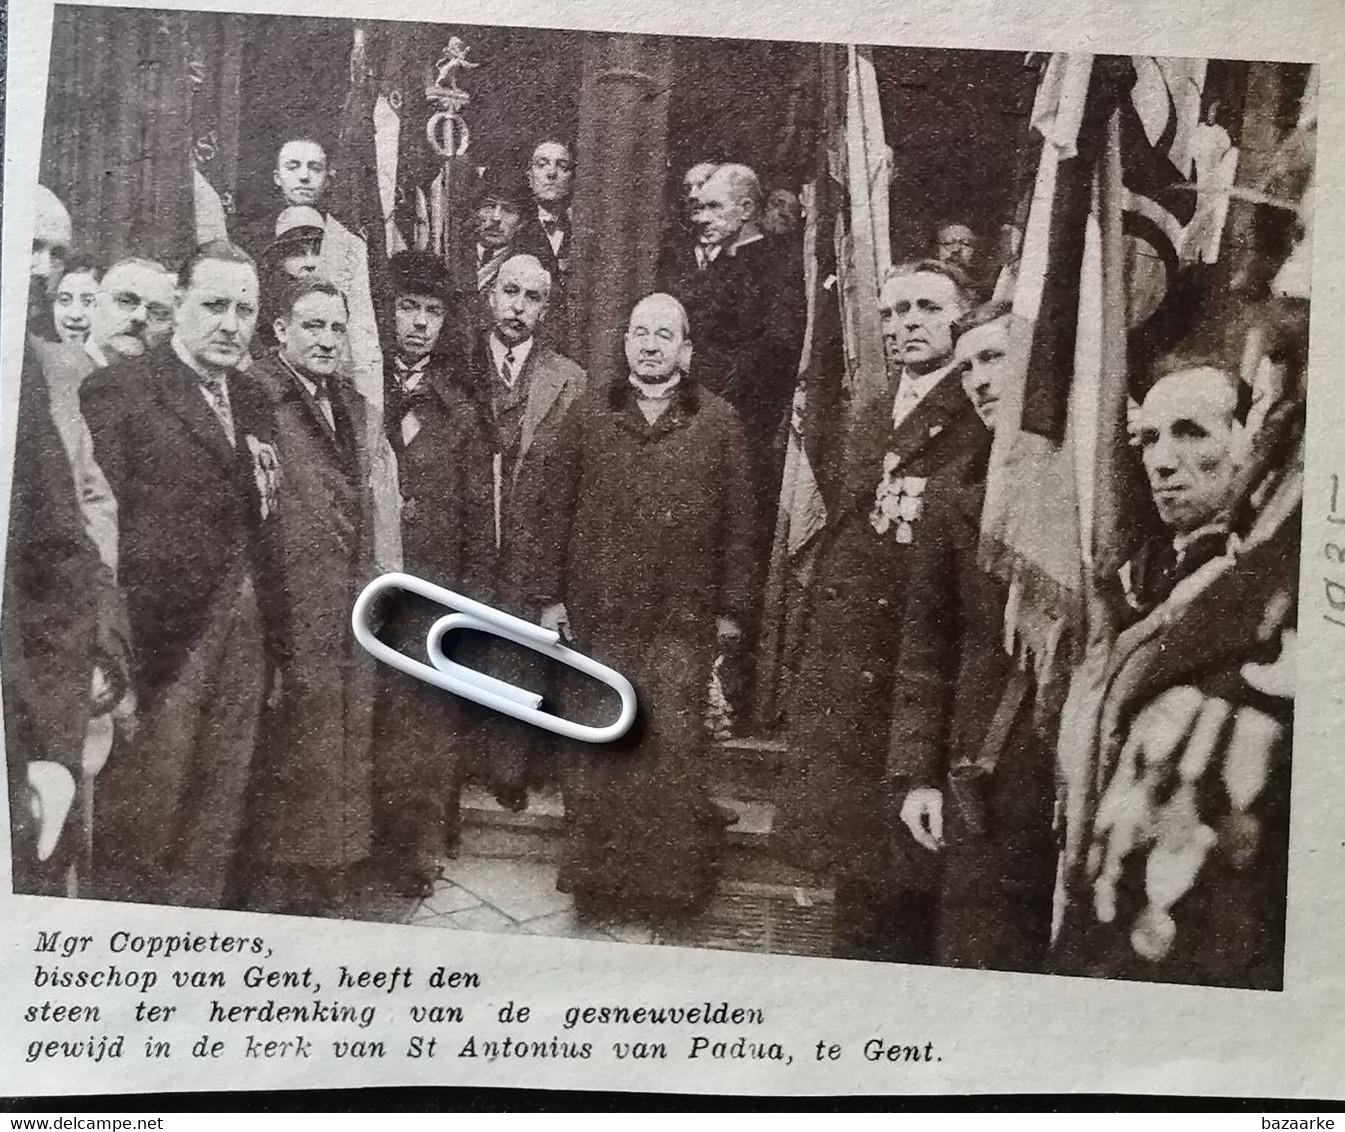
(497,214)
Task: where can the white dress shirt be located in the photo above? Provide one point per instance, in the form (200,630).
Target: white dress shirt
(518,355)
(912,389)
(214,388)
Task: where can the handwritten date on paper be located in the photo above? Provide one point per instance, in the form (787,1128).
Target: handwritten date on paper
(218,997)
(1334,552)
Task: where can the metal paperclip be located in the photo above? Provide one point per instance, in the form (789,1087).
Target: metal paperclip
(499,695)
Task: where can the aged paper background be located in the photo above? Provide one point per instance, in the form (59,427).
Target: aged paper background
(987,1032)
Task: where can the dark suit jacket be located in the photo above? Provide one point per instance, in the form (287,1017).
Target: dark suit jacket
(444,473)
(188,503)
(531,238)
(315,770)
(52,592)
(747,312)
(953,667)
(835,811)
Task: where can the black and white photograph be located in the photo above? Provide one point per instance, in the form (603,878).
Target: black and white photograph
(919,431)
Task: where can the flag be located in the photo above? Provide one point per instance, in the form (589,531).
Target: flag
(809,446)
(214,45)
(864,251)
(1057,521)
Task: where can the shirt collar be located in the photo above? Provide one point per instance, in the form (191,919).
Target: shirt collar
(521,351)
(922,383)
(420,365)
(184,356)
(307,382)
(96,354)
(1218,528)
(655,391)
(732,249)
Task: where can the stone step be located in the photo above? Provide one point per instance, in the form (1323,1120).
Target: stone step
(537,833)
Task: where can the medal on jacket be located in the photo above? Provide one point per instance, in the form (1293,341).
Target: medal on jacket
(898,502)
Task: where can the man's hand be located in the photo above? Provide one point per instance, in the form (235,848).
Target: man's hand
(557,619)
(276,693)
(726,629)
(922,812)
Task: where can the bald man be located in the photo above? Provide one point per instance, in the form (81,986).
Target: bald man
(1188,433)
(51,247)
(57,641)
(642,563)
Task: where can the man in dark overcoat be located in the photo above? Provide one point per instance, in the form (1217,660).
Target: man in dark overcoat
(644,533)
(743,291)
(440,431)
(312,788)
(186,440)
(833,816)
(972,778)
(1185,874)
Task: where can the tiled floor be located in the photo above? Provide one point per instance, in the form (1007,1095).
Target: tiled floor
(517,894)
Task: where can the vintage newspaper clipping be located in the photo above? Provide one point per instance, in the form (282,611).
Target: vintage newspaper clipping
(926,409)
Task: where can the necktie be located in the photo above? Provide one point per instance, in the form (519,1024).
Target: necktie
(507,368)
(322,395)
(551,226)
(217,393)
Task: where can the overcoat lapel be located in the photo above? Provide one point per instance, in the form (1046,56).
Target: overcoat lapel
(544,386)
(177,389)
(940,407)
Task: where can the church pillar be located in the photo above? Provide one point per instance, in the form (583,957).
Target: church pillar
(619,187)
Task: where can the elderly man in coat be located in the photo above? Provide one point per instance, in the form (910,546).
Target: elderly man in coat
(972,777)
(312,788)
(644,539)
(527,389)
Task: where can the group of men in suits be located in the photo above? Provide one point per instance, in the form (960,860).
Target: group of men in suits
(220,504)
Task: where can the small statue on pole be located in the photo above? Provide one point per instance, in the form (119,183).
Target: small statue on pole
(446,130)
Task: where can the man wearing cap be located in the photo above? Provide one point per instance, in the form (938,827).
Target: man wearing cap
(302,176)
(312,784)
(497,214)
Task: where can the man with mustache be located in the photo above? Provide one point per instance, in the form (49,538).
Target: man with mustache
(497,216)
(442,433)
(132,311)
(835,818)
(186,439)
(971,765)
(527,388)
(312,783)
